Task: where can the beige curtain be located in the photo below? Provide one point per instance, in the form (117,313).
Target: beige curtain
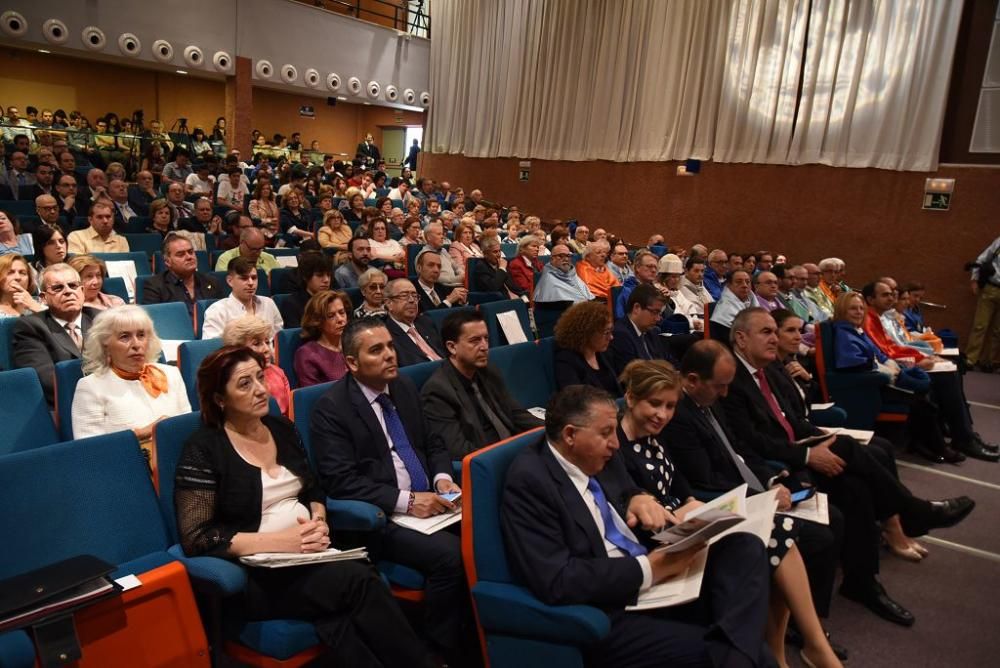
(630,80)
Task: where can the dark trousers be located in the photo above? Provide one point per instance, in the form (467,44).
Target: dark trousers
(947,392)
(439,558)
(724,627)
(354,612)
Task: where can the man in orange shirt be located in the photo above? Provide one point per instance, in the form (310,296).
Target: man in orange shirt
(593,270)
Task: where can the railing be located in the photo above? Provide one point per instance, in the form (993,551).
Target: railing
(412,17)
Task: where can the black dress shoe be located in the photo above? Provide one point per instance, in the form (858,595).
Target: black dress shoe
(951,456)
(991,448)
(877,600)
(976,450)
(928,454)
(949,512)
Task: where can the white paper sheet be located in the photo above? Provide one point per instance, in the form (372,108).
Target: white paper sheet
(676,591)
(863,436)
(125,269)
(950,352)
(287,260)
(170,347)
(286,559)
(815,509)
(511,326)
(427,525)
(821,407)
(943,367)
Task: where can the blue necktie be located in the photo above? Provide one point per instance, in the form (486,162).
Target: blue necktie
(611,532)
(418,478)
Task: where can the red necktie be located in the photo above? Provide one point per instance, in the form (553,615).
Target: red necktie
(772,403)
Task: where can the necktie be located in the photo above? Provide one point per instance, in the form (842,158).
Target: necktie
(425,347)
(645,348)
(434,297)
(748,477)
(71,329)
(491,415)
(611,531)
(393,425)
(772,403)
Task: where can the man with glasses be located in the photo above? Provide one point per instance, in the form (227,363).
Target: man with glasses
(618,263)
(645,268)
(814,293)
(251,249)
(20,182)
(66,196)
(39,340)
(766,291)
(559,281)
(637,336)
(100,237)
(47,210)
(372,284)
(181,281)
(797,299)
(715,272)
(181,212)
(414,336)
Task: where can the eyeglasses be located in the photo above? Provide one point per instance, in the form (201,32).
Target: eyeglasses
(254,249)
(59,288)
(655,311)
(407,297)
(375,287)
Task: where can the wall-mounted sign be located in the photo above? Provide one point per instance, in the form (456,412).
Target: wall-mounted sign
(307,112)
(937,194)
(523,170)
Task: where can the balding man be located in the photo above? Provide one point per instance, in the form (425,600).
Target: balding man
(181,212)
(692,283)
(797,298)
(142,193)
(593,270)
(47,210)
(715,271)
(414,336)
(452,273)
(96,187)
(559,282)
(100,236)
(766,286)
(252,244)
(118,192)
(813,292)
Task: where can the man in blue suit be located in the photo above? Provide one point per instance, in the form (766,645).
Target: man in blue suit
(637,336)
(572,520)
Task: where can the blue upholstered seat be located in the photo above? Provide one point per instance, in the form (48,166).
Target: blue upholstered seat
(27,423)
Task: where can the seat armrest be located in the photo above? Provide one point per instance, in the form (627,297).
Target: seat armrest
(223,576)
(345,515)
(513,610)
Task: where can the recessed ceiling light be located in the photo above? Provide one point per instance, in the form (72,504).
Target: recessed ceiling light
(181,71)
(368,104)
(341,98)
(44,51)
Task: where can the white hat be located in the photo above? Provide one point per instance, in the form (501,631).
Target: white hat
(670,264)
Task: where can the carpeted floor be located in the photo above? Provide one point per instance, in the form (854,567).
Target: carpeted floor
(952,593)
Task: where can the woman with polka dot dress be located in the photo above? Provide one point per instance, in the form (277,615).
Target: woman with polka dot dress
(652,390)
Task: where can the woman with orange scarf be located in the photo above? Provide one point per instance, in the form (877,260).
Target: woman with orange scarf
(123,387)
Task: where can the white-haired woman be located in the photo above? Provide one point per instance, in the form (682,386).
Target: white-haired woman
(253,333)
(123,387)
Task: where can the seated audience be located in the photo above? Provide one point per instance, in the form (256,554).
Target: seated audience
(321,359)
(334,232)
(559,281)
(160,218)
(594,272)
(432,294)
(637,336)
(491,274)
(251,249)
(413,232)
(123,386)
(243,300)
(264,207)
(465,401)
(232,192)
(414,336)
(736,297)
(242,453)
(359,257)
(295,220)
(92,272)
(464,245)
(652,395)
(582,336)
(671,272)
(314,272)
(123,211)
(181,211)
(571,519)
(355,206)
(100,236)
(794,360)
(47,210)
(581,237)
(526,266)
(383,248)
(179,169)
(180,281)
(911,296)
(895,324)
(17,287)
(371,443)
(50,246)
(372,284)
(715,272)
(693,286)
(860,480)
(644,273)
(142,193)
(766,287)
(618,263)
(452,272)
(12,241)
(796,298)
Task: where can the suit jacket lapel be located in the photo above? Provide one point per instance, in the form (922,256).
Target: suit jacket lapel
(574,502)
(469,412)
(757,395)
(367,415)
(60,337)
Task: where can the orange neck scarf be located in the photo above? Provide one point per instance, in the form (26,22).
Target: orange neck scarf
(153,380)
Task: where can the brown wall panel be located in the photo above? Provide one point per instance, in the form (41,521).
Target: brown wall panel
(871,218)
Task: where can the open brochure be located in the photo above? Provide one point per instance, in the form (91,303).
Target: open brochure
(756,513)
(427,525)
(538,412)
(943,367)
(695,531)
(814,509)
(286,559)
(862,436)
(950,352)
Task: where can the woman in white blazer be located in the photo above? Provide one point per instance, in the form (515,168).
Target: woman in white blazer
(123,387)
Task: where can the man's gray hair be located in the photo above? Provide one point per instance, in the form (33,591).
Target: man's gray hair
(742,321)
(368,274)
(52,269)
(250,233)
(595,247)
(488,242)
(177,235)
(830,264)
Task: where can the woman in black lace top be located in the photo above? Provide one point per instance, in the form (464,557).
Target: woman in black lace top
(244,486)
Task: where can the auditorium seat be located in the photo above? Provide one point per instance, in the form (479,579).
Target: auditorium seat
(67,374)
(190,355)
(27,423)
(286,342)
(69,499)
(517,628)
(490,311)
(476,298)
(6,334)
(284,280)
(420,373)
(438,315)
(171,321)
(18,207)
(146,243)
(200,307)
(513,362)
(547,314)
(115,285)
(139,258)
(412,251)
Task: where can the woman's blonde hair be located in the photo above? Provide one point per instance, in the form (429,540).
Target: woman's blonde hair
(239,331)
(7,263)
(81,262)
(642,379)
(106,324)
(844,302)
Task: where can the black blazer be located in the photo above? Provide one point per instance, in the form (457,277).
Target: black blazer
(451,414)
(293,306)
(165,287)
(551,539)
(209,466)
(488,278)
(425,303)
(701,456)
(350,448)
(749,417)
(139,200)
(121,222)
(38,342)
(572,369)
(627,345)
(407,352)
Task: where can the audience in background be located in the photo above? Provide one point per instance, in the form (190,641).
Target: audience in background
(11,238)
(180,281)
(251,249)
(593,270)
(526,266)
(334,232)
(359,257)
(452,272)
(92,272)
(432,294)
(559,281)
(320,358)
(243,300)
(637,336)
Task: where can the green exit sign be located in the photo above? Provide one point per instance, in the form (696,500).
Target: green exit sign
(937,201)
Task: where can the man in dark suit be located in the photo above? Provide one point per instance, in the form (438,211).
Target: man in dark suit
(569,516)
(69,207)
(858,483)
(44,179)
(465,401)
(372,444)
(181,281)
(713,458)
(491,274)
(39,340)
(142,193)
(415,337)
(368,153)
(95,187)
(636,336)
(19,180)
(432,294)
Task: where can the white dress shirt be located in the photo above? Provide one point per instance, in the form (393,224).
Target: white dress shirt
(230,308)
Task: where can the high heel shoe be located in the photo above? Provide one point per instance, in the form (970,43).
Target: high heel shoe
(909,553)
(923,551)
